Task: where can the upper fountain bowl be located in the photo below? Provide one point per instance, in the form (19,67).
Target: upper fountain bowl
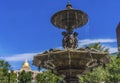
(69,18)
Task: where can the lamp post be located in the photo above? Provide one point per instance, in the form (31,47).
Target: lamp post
(17,80)
(9,76)
(47,80)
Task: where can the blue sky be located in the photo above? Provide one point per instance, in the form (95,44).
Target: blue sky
(26,30)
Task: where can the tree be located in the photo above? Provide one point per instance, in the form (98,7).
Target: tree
(98,46)
(4,67)
(111,74)
(47,77)
(96,76)
(13,77)
(114,71)
(25,77)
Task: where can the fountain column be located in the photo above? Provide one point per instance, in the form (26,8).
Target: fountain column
(71,79)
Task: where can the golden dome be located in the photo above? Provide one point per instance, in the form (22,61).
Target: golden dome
(26,64)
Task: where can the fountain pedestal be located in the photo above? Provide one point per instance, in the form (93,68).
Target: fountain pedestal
(71,79)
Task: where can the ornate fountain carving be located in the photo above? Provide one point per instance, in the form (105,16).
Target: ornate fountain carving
(71,61)
(70,40)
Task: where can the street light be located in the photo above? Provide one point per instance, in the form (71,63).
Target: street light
(47,80)
(9,76)
(17,77)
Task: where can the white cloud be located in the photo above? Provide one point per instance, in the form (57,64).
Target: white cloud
(90,41)
(20,57)
(112,49)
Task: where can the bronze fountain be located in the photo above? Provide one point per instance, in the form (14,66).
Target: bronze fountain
(71,61)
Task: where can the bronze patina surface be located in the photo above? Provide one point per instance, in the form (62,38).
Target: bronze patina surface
(70,61)
(69,18)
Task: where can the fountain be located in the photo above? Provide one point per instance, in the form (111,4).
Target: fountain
(71,61)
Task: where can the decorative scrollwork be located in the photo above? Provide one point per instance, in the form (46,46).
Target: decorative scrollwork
(70,40)
(49,64)
(92,63)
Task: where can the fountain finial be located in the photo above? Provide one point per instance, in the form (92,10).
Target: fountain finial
(69,6)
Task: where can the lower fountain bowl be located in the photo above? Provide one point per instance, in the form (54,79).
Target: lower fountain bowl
(71,63)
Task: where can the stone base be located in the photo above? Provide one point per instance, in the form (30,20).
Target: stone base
(71,80)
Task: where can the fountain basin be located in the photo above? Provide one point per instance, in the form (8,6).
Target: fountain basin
(71,62)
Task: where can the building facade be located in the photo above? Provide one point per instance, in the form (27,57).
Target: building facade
(26,67)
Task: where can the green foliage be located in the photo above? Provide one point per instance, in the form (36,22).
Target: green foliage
(25,77)
(111,74)
(96,76)
(4,67)
(47,77)
(13,77)
(98,46)
(114,71)
(118,55)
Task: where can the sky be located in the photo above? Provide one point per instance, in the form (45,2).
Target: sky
(26,29)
